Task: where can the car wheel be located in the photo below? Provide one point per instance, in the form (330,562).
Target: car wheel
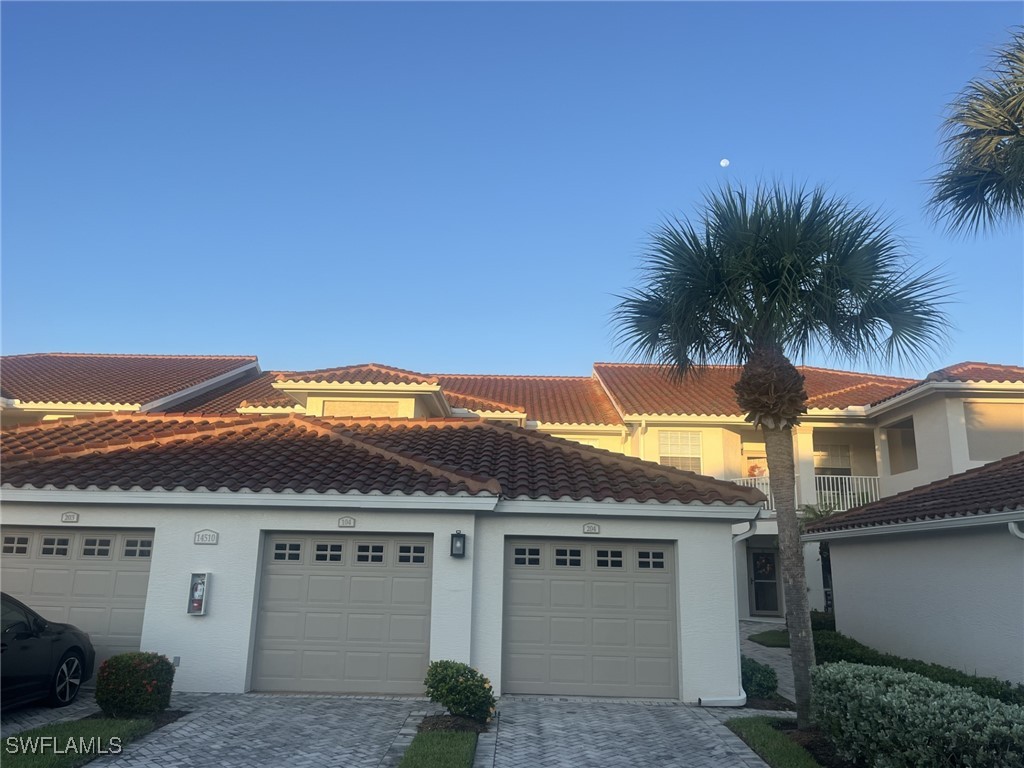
(67,680)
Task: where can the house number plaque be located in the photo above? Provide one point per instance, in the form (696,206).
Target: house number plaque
(591,528)
(206,536)
(346,522)
(69,517)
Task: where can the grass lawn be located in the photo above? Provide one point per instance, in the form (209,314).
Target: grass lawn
(66,745)
(773,638)
(774,747)
(440,749)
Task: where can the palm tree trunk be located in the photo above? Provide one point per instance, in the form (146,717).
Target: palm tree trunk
(779,449)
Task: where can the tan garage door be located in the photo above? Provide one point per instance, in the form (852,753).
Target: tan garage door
(585,618)
(343,614)
(95,579)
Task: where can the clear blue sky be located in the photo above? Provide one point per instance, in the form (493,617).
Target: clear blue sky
(447,187)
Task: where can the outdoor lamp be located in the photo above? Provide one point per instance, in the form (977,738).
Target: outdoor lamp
(458,544)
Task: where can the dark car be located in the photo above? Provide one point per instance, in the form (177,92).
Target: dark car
(41,659)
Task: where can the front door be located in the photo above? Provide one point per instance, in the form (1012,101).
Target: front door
(763,570)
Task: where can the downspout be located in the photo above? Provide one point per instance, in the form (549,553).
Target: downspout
(1015,529)
(741,699)
(643,439)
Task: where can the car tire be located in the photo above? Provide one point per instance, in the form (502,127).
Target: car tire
(67,680)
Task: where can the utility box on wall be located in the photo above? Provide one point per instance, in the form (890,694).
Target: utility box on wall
(198,594)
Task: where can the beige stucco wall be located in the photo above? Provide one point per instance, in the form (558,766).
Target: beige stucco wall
(609,441)
(720,447)
(936,445)
(953,597)
(396,406)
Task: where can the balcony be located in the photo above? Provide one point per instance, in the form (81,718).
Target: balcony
(834,492)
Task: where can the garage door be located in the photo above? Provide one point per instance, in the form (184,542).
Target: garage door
(586,618)
(95,579)
(343,614)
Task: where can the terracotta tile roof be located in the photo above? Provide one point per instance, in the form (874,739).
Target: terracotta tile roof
(363,373)
(298,453)
(651,389)
(107,379)
(968,371)
(547,399)
(995,487)
(252,390)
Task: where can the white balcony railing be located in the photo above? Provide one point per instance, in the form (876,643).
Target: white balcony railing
(835,492)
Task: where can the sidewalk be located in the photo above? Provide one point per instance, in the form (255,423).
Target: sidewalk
(777,658)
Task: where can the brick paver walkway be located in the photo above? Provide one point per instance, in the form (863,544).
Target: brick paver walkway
(25,718)
(777,658)
(555,732)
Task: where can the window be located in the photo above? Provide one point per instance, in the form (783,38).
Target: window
(412,554)
(325,552)
(679,449)
(138,547)
(647,559)
(370,553)
(567,557)
(15,545)
(902,446)
(55,546)
(609,558)
(290,551)
(526,556)
(95,547)
(832,460)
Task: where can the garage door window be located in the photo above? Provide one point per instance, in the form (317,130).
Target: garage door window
(324,552)
(609,558)
(370,554)
(15,545)
(412,554)
(526,556)
(138,547)
(647,559)
(95,547)
(55,546)
(288,550)
(566,557)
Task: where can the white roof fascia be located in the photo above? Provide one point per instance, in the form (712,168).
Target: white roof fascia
(611,508)
(967,388)
(203,386)
(659,419)
(918,526)
(351,386)
(274,499)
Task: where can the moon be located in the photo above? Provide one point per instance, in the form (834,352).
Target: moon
(724,162)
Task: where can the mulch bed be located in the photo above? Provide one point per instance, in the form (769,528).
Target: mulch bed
(778,704)
(815,742)
(451,723)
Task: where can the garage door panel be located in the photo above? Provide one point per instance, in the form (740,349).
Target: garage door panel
(590,618)
(364,606)
(96,579)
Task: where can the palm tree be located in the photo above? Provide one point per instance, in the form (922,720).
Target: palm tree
(981,182)
(762,275)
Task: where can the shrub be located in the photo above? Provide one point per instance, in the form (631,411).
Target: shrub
(822,620)
(834,646)
(131,685)
(887,718)
(759,680)
(460,689)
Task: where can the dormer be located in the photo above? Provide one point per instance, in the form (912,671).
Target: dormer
(366,390)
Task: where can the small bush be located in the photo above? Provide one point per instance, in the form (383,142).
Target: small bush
(460,689)
(831,647)
(132,685)
(759,680)
(822,620)
(887,718)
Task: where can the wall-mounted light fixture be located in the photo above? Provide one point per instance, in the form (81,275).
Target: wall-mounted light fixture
(458,544)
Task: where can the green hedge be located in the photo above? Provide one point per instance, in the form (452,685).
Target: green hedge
(822,620)
(461,689)
(759,680)
(137,684)
(834,646)
(887,718)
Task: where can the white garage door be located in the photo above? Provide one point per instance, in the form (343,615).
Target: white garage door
(95,579)
(585,618)
(343,614)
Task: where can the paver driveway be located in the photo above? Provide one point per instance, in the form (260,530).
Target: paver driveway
(547,732)
(272,731)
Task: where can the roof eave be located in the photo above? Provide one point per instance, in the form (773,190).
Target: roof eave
(993,517)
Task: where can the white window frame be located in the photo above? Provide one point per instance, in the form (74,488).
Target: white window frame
(685,446)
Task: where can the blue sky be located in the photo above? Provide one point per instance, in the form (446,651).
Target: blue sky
(448,187)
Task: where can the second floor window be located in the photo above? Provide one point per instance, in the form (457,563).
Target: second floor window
(679,449)
(832,460)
